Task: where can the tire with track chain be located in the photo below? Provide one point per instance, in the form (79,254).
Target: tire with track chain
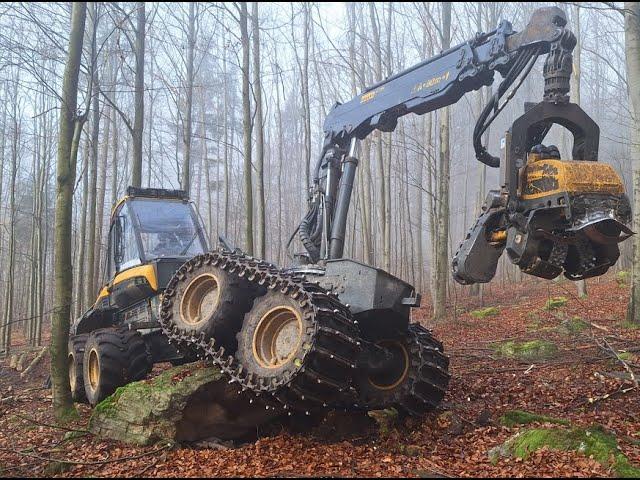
(319,372)
(417,382)
(280,340)
(113,358)
(213,302)
(75,362)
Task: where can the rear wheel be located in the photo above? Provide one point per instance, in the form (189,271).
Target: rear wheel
(414,379)
(75,364)
(303,355)
(274,337)
(112,359)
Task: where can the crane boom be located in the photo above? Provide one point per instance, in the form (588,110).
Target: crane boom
(442,80)
(427,86)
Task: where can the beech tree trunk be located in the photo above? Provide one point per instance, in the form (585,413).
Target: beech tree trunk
(186,136)
(247,129)
(69,128)
(7,317)
(138,122)
(581,285)
(88,280)
(259,127)
(632,53)
(442,245)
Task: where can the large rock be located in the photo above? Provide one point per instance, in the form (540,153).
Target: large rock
(186,403)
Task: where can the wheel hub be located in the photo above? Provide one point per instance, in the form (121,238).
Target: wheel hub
(94,369)
(200,299)
(72,372)
(277,337)
(393,371)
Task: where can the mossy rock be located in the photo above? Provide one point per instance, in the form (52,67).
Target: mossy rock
(531,350)
(521,417)
(555,302)
(185,403)
(593,442)
(485,312)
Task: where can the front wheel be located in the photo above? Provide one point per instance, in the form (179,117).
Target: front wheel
(113,358)
(75,364)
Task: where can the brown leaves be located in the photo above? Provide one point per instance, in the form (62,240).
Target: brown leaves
(453,442)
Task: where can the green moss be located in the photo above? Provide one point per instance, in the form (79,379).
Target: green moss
(144,388)
(625,469)
(535,322)
(109,404)
(520,417)
(593,442)
(626,356)
(485,312)
(67,415)
(72,435)
(386,419)
(57,468)
(409,450)
(572,326)
(623,278)
(630,325)
(532,350)
(555,302)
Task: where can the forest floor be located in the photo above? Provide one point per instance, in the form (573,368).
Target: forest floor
(580,383)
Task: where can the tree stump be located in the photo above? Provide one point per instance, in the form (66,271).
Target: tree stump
(20,362)
(183,404)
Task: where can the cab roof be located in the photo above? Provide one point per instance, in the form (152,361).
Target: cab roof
(159,193)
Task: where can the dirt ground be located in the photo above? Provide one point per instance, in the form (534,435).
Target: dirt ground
(581,383)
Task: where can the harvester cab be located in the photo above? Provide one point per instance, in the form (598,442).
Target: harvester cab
(152,232)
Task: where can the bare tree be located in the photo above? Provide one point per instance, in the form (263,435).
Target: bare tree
(632,53)
(138,121)
(259,128)
(70,127)
(92,169)
(186,137)
(7,317)
(442,245)
(581,285)
(246,128)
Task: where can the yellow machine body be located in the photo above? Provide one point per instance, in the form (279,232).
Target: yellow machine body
(142,273)
(542,177)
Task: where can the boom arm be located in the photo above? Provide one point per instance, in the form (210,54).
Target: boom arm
(443,79)
(432,84)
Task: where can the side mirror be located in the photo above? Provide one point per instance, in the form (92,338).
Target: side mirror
(118,243)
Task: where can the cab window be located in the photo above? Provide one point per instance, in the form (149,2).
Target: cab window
(167,228)
(110,266)
(128,254)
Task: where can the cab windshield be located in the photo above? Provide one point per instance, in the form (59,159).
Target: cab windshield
(167,229)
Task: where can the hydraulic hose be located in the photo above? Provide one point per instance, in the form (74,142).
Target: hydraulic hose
(308,231)
(526,59)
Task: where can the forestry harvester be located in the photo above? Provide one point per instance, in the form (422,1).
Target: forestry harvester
(332,332)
